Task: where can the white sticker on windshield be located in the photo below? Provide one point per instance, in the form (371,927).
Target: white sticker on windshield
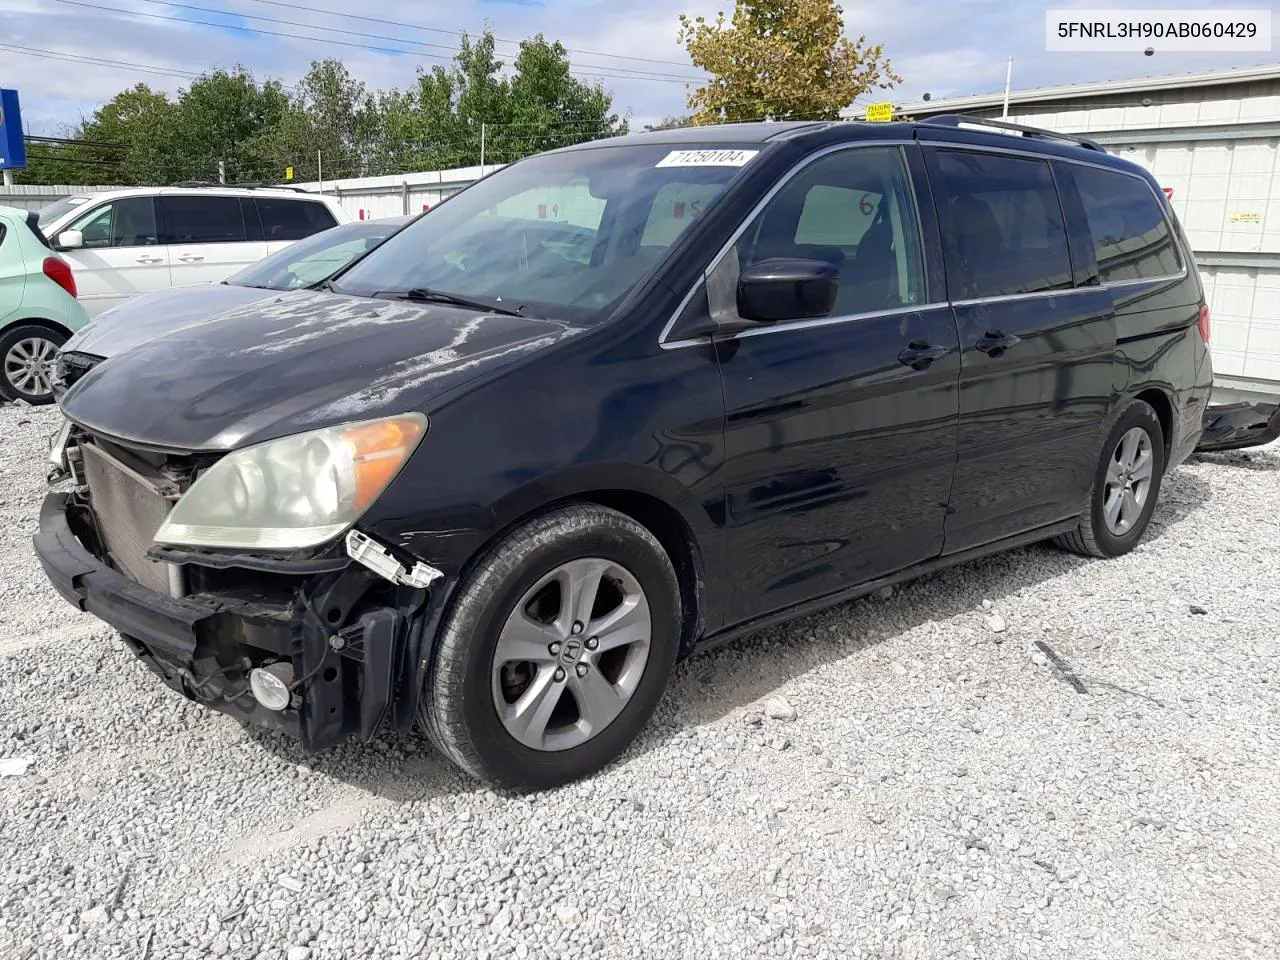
(707,158)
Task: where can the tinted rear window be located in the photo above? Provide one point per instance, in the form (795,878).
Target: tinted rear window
(1003,229)
(284,219)
(193,219)
(1131,236)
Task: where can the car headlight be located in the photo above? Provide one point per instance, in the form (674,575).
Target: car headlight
(294,492)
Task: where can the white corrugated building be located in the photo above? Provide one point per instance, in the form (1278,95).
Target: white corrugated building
(1213,139)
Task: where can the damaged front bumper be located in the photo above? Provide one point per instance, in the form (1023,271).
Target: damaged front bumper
(350,640)
(1233,426)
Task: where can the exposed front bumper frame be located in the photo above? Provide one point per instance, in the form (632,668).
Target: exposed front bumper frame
(359,664)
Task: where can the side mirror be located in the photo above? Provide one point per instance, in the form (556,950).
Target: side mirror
(70,240)
(787,289)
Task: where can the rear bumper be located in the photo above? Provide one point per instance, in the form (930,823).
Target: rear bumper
(1232,426)
(355,669)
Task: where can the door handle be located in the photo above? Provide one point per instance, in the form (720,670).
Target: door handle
(919,354)
(994,343)
(190,258)
(149,260)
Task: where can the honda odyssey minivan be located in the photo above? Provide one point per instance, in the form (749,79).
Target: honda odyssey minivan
(617,402)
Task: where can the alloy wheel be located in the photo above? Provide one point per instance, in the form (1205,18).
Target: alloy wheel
(1128,481)
(571,654)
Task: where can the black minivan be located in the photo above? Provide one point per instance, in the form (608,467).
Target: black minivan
(620,401)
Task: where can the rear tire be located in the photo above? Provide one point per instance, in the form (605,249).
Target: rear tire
(1126,487)
(27,355)
(526,692)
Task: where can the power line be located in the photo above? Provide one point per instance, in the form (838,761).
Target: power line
(594,71)
(95,61)
(455,33)
(65,141)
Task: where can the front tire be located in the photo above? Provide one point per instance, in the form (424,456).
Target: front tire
(1126,487)
(556,652)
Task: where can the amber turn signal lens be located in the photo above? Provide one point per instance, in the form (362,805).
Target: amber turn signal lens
(379,450)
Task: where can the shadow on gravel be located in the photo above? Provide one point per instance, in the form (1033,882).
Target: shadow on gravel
(711,685)
(401,769)
(1264,460)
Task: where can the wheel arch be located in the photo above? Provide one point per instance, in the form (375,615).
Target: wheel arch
(1159,401)
(53,325)
(658,503)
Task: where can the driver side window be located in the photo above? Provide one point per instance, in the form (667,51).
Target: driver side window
(129,222)
(854,209)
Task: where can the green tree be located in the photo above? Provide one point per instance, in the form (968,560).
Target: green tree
(330,125)
(456,111)
(780,60)
(549,107)
(224,117)
(131,127)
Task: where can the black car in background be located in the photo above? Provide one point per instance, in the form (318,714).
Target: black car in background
(616,402)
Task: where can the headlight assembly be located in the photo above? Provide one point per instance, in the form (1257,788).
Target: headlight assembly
(294,492)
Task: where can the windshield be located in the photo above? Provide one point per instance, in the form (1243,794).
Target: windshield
(567,234)
(59,208)
(320,255)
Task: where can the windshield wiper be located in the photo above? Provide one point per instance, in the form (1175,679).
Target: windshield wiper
(424,295)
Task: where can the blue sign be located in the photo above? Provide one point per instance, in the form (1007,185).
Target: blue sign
(13,149)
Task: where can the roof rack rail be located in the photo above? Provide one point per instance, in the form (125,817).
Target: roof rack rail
(248,185)
(960,120)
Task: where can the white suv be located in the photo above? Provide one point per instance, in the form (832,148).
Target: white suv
(125,242)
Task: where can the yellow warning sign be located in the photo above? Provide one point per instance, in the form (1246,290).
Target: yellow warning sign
(880,112)
(1244,217)
(288,173)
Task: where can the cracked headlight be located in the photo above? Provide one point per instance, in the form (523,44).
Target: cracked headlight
(294,492)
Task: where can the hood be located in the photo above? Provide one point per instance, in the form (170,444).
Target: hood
(295,362)
(149,315)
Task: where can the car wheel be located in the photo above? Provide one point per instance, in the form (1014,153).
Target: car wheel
(1126,486)
(27,355)
(556,651)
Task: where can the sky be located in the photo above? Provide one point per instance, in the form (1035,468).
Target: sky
(66,57)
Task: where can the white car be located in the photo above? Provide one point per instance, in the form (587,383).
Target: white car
(121,243)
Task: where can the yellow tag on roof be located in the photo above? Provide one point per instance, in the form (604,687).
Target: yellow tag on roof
(880,112)
(288,173)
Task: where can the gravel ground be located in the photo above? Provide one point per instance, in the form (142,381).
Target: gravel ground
(905,776)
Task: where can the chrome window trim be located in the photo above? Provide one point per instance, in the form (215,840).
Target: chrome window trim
(806,324)
(1033,295)
(750,218)
(1027,154)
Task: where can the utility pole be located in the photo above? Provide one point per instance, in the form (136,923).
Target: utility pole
(1008,82)
(222,172)
(320,171)
(481,149)
(8,177)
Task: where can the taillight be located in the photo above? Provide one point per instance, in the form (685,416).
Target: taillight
(1203,322)
(59,271)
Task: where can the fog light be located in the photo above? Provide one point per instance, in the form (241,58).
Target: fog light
(270,685)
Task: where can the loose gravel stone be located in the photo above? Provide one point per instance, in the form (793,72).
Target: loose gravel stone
(778,708)
(944,795)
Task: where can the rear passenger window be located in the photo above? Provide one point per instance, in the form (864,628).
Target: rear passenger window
(1002,226)
(284,219)
(853,208)
(1131,236)
(193,219)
